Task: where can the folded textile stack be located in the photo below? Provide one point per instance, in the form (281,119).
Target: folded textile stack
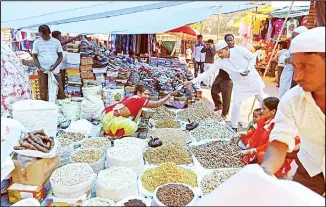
(74,82)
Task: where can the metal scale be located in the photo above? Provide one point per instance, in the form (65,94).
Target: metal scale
(143,125)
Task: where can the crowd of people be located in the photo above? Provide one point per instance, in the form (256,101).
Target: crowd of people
(290,127)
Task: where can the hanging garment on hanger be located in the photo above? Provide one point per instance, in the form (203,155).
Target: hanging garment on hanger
(290,26)
(256,29)
(134,42)
(269,31)
(278,26)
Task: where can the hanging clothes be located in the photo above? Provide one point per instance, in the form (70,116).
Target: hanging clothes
(320,13)
(290,26)
(269,31)
(134,42)
(278,26)
(263,28)
(127,44)
(138,37)
(256,27)
(304,21)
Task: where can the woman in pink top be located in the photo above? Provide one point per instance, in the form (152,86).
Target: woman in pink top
(280,66)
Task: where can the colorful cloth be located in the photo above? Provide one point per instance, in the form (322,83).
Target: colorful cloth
(15,85)
(290,26)
(278,26)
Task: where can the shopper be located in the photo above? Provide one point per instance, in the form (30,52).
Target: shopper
(280,65)
(239,63)
(131,59)
(286,80)
(199,57)
(188,53)
(209,50)
(302,110)
(47,55)
(58,36)
(118,119)
(223,84)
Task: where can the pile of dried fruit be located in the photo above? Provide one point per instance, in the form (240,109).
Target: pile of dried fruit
(98,142)
(134,202)
(167,173)
(215,178)
(218,154)
(174,195)
(167,123)
(87,155)
(163,112)
(170,136)
(211,129)
(168,153)
(74,136)
(198,112)
(36,140)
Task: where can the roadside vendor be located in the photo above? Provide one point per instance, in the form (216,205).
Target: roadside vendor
(239,63)
(256,140)
(302,111)
(118,119)
(131,59)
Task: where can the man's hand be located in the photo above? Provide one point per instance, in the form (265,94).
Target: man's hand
(52,69)
(249,152)
(230,84)
(287,61)
(187,83)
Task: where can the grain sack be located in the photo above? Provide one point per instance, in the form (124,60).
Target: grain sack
(37,115)
(127,156)
(92,90)
(71,109)
(92,156)
(72,180)
(91,108)
(112,96)
(116,183)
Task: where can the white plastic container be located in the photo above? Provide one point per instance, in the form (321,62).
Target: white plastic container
(37,115)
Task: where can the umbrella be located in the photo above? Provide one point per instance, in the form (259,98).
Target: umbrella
(185,32)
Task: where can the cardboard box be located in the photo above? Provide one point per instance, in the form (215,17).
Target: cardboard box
(17,191)
(87,75)
(72,70)
(86,68)
(36,173)
(86,61)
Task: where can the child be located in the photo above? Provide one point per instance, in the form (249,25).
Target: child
(255,118)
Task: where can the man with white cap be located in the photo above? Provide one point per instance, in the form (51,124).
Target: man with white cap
(302,112)
(239,63)
(287,74)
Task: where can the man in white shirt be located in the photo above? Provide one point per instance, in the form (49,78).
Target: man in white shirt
(239,63)
(47,55)
(302,112)
(199,57)
(286,82)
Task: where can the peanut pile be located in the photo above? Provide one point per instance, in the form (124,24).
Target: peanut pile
(167,123)
(163,112)
(175,195)
(218,154)
(98,142)
(74,136)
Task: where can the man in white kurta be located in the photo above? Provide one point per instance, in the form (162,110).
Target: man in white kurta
(287,74)
(239,63)
(302,112)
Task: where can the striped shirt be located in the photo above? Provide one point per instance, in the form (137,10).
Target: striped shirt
(47,51)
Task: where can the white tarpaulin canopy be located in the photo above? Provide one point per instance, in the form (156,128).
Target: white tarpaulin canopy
(129,17)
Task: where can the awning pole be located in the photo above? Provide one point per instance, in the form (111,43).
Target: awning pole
(270,60)
(218,23)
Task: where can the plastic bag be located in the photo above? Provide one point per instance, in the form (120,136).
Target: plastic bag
(82,126)
(53,87)
(25,161)
(253,187)
(27,202)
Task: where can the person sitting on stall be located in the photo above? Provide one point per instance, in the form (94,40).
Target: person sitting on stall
(256,140)
(118,119)
(131,59)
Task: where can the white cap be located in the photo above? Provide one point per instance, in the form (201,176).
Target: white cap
(312,40)
(221,44)
(300,29)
